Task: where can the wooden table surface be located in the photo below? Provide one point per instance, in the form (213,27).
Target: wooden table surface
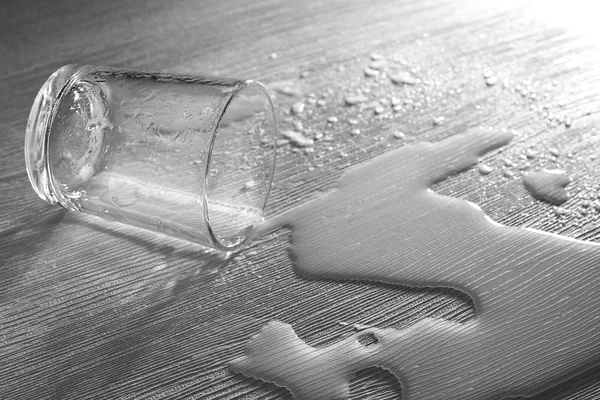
(90,309)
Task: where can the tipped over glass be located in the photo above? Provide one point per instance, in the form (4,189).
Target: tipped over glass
(188,156)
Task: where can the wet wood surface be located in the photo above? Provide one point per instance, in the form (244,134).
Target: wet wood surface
(91,309)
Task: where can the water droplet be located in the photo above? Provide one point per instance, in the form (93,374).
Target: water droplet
(287,88)
(438,120)
(298,126)
(530,153)
(398,135)
(248,186)
(548,185)
(568,121)
(484,169)
(332,120)
(370,72)
(508,162)
(403,77)
(378,64)
(156,221)
(297,108)
(491,81)
(297,138)
(508,174)
(355,99)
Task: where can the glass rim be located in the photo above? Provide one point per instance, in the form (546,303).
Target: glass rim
(238,89)
(40,120)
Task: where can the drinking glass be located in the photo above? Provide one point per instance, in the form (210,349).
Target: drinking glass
(188,156)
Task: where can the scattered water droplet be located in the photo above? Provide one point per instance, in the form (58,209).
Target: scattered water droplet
(355,99)
(508,174)
(403,77)
(438,120)
(297,138)
(298,126)
(248,186)
(378,64)
(484,169)
(547,185)
(568,121)
(155,220)
(297,108)
(370,72)
(287,88)
(491,81)
(508,162)
(530,153)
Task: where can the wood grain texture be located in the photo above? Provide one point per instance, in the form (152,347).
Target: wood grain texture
(90,309)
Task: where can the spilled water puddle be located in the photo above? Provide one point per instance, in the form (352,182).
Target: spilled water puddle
(535,294)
